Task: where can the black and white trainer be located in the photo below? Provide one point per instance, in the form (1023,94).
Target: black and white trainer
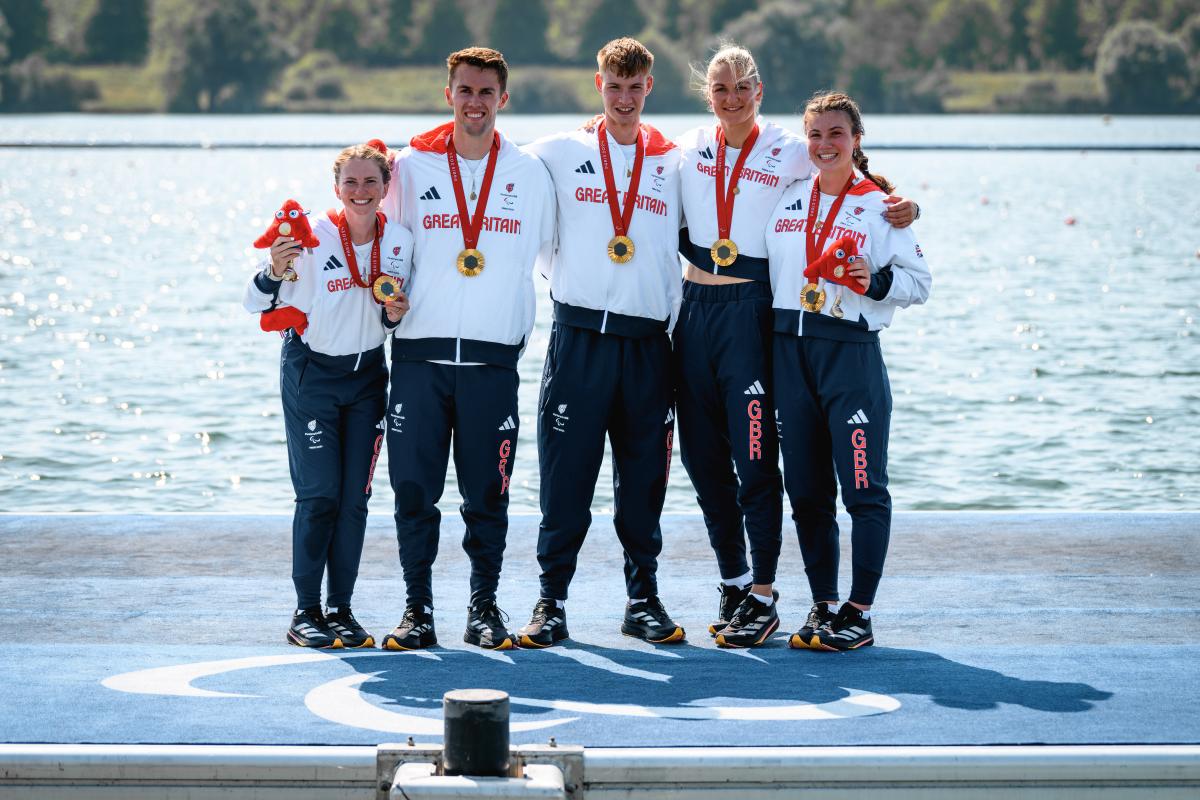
(342,622)
(849,630)
(414,632)
(818,615)
(547,626)
(309,629)
(731,598)
(647,619)
(752,624)
(486,626)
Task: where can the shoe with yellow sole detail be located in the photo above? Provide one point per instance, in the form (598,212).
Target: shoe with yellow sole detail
(818,615)
(547,626)
(342,622)
(415,631)
(752,624)
(647,619)
(486,627)
(849,630)
(309,629)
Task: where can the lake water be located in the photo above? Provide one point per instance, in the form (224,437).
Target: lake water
(1055,367)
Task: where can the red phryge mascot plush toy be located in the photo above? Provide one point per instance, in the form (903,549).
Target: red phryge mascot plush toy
(289,221)
(834,265)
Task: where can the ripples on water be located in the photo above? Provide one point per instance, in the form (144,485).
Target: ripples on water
(1055,366)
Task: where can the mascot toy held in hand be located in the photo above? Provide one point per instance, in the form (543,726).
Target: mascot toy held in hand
(834,265)
(289,221)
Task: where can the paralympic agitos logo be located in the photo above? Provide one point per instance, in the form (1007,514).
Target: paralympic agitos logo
(400,693)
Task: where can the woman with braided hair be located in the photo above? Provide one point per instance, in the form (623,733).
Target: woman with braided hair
(838,272)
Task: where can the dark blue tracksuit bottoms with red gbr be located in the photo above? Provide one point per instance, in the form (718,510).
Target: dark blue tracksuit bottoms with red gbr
(723,397)
(332,407)
(616,381)
(834,404)
(432,410)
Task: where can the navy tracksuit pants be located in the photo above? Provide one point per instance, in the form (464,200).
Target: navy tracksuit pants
(596,383)
(723,399)
(332,407)
(430,406)
(834,405)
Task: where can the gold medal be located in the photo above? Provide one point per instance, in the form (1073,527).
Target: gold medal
(385,288)
(812,298)
(620,249)
(724,252)
(289,274)
(470,262)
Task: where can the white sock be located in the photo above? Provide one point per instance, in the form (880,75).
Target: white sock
(865,614)
(428,610)
(741,581)
(560,603)
(767,600)
(633,600)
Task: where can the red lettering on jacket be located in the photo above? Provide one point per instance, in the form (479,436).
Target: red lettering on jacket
(339,285)
(591,194)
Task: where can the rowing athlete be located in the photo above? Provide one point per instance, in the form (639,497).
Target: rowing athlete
(333,380)
(481,212)
(614,281)
(833,400)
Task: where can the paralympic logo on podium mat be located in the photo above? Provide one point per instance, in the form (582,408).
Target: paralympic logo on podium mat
(378,696)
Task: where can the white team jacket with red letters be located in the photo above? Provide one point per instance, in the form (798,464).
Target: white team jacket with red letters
(778,159)
(581,274)
(900,276)
(343,318)
(454,317)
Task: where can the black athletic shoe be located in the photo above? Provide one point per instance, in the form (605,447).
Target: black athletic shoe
(752,624)
(731,598)
(806,637)
(485,627)
(414,632)
(342,622)
(547,626)
(847,631)
(650,621)
(309,629)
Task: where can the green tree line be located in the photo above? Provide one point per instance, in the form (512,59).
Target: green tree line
(894,55)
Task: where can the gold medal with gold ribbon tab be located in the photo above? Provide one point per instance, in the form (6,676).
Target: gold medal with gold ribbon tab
(470,260)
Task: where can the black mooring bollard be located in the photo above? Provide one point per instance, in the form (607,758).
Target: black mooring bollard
(476,735)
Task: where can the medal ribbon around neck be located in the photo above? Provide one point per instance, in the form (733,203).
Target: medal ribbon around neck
(470,260)
(812,297)
(620,248)
(724,251)
(343,227)
(814,243)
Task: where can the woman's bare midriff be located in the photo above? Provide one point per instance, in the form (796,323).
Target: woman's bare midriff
(697,275)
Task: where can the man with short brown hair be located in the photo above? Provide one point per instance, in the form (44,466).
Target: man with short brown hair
(480,211)
(615,282)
